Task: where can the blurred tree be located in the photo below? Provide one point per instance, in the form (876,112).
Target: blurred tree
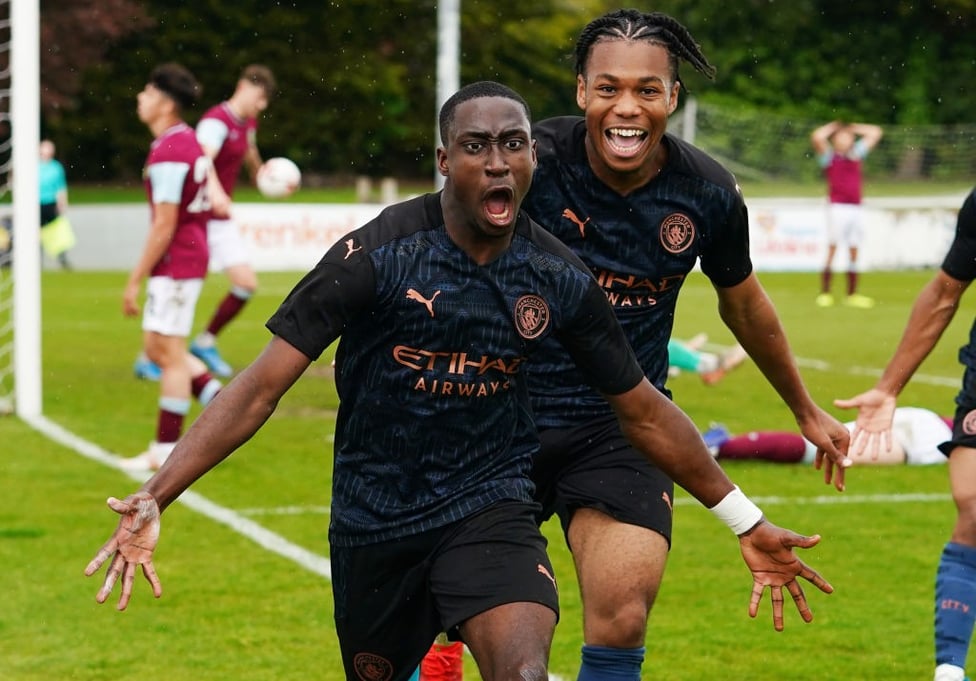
(75,35)
(358,79)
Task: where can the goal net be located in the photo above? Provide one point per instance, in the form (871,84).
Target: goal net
(6,222)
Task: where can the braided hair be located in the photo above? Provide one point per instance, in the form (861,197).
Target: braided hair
(655,27)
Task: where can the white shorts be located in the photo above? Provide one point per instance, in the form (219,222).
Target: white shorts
(920,433)
(170,305)
(845,223)
(227,247)
(916,433)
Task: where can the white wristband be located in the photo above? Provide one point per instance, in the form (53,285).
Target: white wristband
(736,511)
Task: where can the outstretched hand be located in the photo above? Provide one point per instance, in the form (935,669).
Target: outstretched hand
(832,440)
(768,552)
(132,544)
(872,429)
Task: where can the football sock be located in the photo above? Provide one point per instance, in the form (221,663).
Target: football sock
(825,278)
(172,411)
(780,447)
(205,387)
(229,308)
(955,604)
(610,664)
(851,282)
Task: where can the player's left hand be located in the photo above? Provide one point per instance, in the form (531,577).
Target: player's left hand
(768,552)
(832,440)
(132,544)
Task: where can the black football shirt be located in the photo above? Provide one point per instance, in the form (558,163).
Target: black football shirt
(434,419)
(640,248)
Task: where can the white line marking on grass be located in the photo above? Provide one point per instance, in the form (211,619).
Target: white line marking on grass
(683,501)
(260,535)
(820,365)
(287,510)
(839,498)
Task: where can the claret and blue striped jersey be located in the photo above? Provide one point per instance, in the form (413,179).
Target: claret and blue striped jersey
(640,248)
(434,420)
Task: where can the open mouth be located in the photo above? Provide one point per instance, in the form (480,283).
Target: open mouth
(625,142)
(499,206)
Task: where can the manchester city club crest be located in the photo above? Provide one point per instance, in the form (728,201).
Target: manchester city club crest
(677,233)
(531,316)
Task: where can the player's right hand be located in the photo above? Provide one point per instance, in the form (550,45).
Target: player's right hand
(220,204)
(132,544)
(130,299)
(872,429)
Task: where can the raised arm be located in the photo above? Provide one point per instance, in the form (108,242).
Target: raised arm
(665,434)
(934,308)
(869,134)
(237,412)
(820,137)
(751,316)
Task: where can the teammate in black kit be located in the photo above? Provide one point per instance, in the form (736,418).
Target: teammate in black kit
(934,309)
(439,303)
(640,207)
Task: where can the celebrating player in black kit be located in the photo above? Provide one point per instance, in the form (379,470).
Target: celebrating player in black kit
(440,302)
(640,207)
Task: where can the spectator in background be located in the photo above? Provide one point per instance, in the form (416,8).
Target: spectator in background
(53,193)
(841,149)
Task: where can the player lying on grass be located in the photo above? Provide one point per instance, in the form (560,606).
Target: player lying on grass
(916,436)
(439,303)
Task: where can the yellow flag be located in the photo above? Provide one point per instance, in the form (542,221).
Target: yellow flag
(57,237)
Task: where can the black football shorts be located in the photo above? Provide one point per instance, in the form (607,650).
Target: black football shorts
(393,598)
(593,465)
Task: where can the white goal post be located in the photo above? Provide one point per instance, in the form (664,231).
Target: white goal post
(24,87)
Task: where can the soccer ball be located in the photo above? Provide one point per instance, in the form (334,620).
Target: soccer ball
(278,177)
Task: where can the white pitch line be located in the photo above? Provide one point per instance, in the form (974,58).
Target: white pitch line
(286,510)
(820,365)
(826,500)
(839,498)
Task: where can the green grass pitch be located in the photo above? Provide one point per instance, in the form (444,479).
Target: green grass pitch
(234,610)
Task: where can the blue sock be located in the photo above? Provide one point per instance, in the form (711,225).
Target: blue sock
(610,664)
(955,604)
